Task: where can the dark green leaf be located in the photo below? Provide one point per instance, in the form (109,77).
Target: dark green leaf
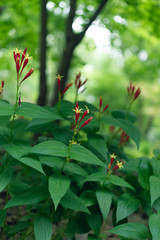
(82,154)
(31,196)
(58,186)
(74,168)
(72,201)
(118,181)
(51,147)
(127,127)
(5,178)
(154,226)
(104,199)
(42,227)
(94,221)
(3,214)
(154,188)
(144,172)
(124,115)
(131,230)
(88,197)
(31,162)
(127,204)
(35,111)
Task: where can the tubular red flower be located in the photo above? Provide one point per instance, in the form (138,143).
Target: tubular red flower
(84,114)
(28,75)
(137,93)
(105,108)
(23,55)
(85,123)
(17,65)
(100,103)
(2,84)
(66,88)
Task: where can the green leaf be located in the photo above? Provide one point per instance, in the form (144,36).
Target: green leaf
(156,162)
(39,125)
(131,230)
(154,188)
(58,186)
(88,197)
(5,178)
(35,111)
(127,127)
(4,135)
(82,154)
(30,196)
(5,109)
(75,168)
(31,162)
(98,144)
(50,147)
(104,199)
(16,151)
(118,181)
(3,214)
(66,108)
(72,201)
(94,221)
(124,115)
(96,177)
(42,227)
(127,204)
(18,227)
(154,226)
(144,172)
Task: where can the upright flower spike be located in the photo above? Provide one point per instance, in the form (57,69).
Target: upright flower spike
(77,114)
(59,86)
(133,94)
(100,106)
(78,81)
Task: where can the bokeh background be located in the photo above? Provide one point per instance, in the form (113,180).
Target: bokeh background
(121,45)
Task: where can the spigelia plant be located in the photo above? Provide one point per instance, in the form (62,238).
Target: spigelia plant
(76,175)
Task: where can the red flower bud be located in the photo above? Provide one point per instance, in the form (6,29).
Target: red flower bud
(85,123)
(105,108)
(137,93)
(28,75)
(66,88)
(23,55)
(100,103)
(2,84)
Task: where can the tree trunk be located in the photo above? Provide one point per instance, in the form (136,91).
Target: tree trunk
(43,82)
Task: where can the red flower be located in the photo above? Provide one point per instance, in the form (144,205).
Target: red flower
(27,75)
(100,106)
(78,81)
(133,93)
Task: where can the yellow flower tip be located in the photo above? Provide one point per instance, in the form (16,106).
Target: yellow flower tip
(77,110)
(119,164)
(28,57)
(113,156)
(17,51)
(59,76)
(87,109)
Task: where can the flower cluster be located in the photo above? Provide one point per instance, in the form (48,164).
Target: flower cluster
(124,138)
(118,165)
(78,82)
(1,88)
(59,78)
(100,106)
(21,62)
(77,115)
(133,93)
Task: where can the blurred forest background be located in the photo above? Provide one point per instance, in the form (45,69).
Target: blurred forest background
(111,42)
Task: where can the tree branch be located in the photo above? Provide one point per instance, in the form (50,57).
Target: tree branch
(96,13)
